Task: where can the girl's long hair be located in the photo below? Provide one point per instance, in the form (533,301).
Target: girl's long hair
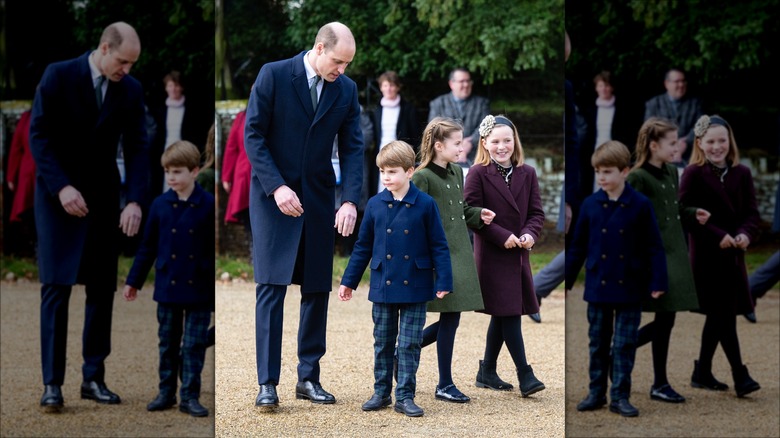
(653,130)
(704,123)
(438,129)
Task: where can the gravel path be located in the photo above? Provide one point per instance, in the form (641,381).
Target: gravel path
(131,372)
(705,413)
(347,372)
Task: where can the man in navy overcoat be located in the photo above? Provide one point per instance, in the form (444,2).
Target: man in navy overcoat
(82,107)
(296,109)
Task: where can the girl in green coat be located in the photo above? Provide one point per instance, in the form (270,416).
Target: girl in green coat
(653,176)
(440,176)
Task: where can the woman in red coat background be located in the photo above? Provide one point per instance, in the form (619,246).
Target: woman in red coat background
(236,174)
(20,178)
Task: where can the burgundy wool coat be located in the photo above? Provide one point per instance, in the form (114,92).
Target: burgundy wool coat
(720,274)
(505,274)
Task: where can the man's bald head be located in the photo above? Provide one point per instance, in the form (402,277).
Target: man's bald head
(334,33)
(120,32)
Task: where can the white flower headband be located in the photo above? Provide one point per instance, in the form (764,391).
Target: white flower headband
(704,123)
(487,125)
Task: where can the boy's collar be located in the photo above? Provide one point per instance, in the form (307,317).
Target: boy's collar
(409,198)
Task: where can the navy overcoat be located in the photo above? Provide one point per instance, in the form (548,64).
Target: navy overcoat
(406,245)
(288,144)
(75,144)
(621,246)
(179,242)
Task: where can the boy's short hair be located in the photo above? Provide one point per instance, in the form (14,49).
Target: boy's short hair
(611,153)
(396,154)
(181,154)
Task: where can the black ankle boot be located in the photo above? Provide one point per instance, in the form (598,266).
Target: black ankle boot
(743,383)
(702,378)
(488,378)
(529,384)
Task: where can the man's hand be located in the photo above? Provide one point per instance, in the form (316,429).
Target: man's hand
(346,218)
(130,220)
(73,202)
(288,201)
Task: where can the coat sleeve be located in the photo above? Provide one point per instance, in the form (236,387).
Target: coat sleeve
(230,156)
(750,218)
(350,146)
(45,107)
(258,121)
(147,250)
(440,252)
(690,191)
(577,250)
(659,279)
(135,147)
(361,252)
(535,216)
(17,151)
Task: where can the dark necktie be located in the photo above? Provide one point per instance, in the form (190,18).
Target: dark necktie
(99,91)
(313,92)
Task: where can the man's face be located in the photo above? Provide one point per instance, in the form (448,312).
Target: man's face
(117,62)
(676,84)
(460,84)
(330,64)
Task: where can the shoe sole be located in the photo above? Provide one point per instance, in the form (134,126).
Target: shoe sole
(401,411)
(319,402)
(187,411)
(266,405)
(104,402)
(160,408)
(591,408)
(711,388)
(484,385)
(667,400)
(365,409)
(52,409)
(617,411)
(532,391)
(748,391)
(438,397)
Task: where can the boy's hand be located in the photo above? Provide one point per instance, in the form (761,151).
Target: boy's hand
(702,215)
(487,216)
(129,292)
(656,294)
(727,242)
(741,241)
(345,293)
(440,294)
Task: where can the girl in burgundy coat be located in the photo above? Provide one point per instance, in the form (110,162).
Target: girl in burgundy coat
(716,182)
(501,182)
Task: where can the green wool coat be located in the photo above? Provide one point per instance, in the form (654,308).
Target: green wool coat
(660,185)
(446,187)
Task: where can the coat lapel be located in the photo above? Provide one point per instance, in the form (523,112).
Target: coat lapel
(330,91)
(713,181)
(499,184)
(301,84)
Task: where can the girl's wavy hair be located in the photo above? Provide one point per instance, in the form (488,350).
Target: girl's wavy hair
(653,130)
(438,129)
(702,126)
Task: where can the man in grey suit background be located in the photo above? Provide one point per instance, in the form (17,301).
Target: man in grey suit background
(464,107)
(677,106)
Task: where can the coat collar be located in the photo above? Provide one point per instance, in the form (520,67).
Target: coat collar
(330,90)
(441,172)
(410,198)
(628,195)
(196,197)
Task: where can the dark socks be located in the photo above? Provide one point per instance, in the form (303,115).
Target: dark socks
(720,329)
(505,329)
(443,333)
(664,321)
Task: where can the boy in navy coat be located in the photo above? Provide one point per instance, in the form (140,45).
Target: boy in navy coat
(618,234)
(179,235)
(402,236)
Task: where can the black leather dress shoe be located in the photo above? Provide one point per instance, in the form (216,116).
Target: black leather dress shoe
(451,394)
(52,401)
(267,396)
(377,402)
(193,407)
(536,317)
(623,407)
(313,392)
(407,407)
(161,402)
(665,393)
(751,317)
(591,403)
(98,392)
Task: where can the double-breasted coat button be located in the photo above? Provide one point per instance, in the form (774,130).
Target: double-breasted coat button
(460,202)
(678,217)
(173,282)
(388,282)
(663,186)
(173,231)
(175,205)
(173,256)
(192,205)
(390,205)
(406,282)
(450,201)
(452,218)
(406,231)
(192,231)
(406,257)
(603,230)
(621,256)
(603,256)
(408,205)
(448,186)
(603,282)
(621,231)
(620,281)
(605,205)
(192,256)
(457,185)
(623,205)
(189,281)
(463,216)
(389,231)
(389,257)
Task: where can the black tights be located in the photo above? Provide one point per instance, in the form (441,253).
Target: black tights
(658,332)
(443,333)
(505,329)
(720,328)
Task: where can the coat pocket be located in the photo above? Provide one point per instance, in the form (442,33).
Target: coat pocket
(376,273)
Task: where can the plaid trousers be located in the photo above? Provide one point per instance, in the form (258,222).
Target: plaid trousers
(409,334)
(620,355)
(183,334)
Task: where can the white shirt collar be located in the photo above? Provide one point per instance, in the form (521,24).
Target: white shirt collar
(93,69)
(310,73)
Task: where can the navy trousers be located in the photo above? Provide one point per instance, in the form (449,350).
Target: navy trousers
(96,336)
(269,315)
(612,349)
